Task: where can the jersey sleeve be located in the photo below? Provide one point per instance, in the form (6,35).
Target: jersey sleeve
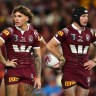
(60,36)
(5,35)
(36,40)
(93,36)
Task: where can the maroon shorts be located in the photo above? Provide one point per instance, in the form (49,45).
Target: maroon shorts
(81,78)
(14,76)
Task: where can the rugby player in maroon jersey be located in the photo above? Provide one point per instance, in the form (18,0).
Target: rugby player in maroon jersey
(22,43)
(75,41)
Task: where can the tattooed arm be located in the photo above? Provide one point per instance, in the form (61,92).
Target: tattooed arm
(37,59)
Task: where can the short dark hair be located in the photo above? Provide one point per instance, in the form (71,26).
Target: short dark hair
(24,10)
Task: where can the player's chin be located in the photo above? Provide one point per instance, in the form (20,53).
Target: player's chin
(84,24)
(17,25)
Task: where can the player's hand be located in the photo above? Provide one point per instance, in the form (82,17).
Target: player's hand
(89,65)
(12,63)
(62,61)
(61,64)
(37,83)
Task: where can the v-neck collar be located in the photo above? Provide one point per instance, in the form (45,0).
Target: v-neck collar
(22,32)
(77,28)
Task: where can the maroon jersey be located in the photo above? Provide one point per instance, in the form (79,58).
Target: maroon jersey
(75,45)
(20,45)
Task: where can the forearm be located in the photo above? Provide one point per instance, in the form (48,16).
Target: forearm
(43,47)
(2,59)
(37,60)
(43,50)
(54,50)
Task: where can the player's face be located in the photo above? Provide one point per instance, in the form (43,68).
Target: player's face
(20,19)
(84,19)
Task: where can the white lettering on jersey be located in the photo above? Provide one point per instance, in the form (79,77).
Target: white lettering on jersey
(79,50)
(22,48)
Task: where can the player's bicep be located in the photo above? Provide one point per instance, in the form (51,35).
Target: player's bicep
(37,53)
(4,36)
(42,43)
(1,41)
(53,42)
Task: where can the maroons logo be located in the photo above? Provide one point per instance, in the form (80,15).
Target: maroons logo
(87,37)
(30,38)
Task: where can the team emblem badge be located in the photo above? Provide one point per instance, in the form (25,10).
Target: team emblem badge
(30,38)
(87,37)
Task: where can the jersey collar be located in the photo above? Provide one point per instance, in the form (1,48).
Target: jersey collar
(77,28)
(22,32)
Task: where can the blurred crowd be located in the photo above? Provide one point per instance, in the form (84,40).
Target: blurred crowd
(49,17)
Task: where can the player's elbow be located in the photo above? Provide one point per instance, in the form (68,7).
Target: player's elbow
(48,46)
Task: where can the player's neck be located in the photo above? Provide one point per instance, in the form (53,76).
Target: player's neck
(24,27)
(77,25)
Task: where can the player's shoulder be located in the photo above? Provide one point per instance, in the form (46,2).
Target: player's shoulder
(34,32)
(90,30)
(65,30)
(8,30)
(32,29)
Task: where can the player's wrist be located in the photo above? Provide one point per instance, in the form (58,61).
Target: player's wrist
(94,60)
(5,63)
(61,58)
(38,77)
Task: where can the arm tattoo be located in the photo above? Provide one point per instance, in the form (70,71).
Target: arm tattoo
(37,63)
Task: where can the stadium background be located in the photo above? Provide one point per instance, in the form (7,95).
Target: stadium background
(50,16)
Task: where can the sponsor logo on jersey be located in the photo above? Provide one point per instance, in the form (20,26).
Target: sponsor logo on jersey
(38,38)
(80,39)
(69,83)
(73,36)
(87,37)
(15,38)
(60,33)
(12,79)
(30,38)
(80,49)
(6,32)
(22,39)
(22,48)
